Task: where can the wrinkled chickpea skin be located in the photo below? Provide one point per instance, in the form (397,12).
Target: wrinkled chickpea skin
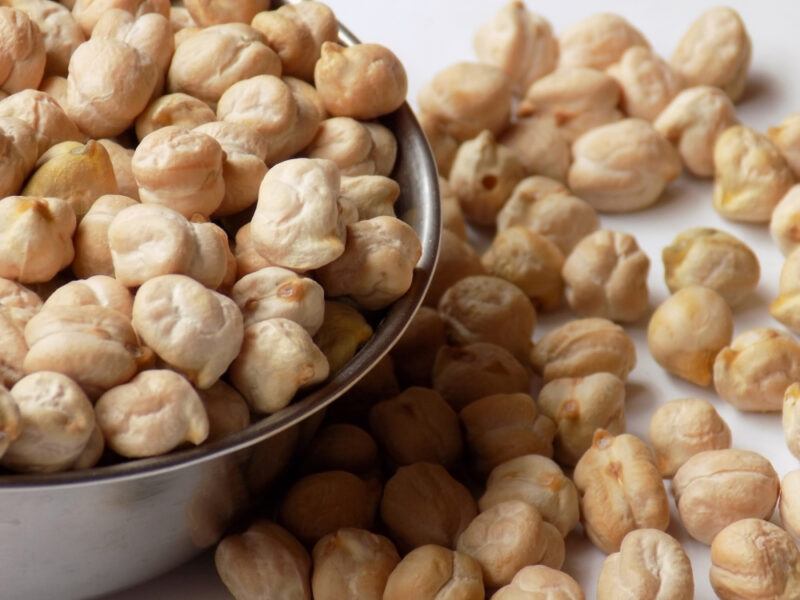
(92,251)
(648,83)
(179,110)
(598,41)
(25,56)
(435,573)
(99,290)
(18,150)
(540,146)
(44,115)
(531,582)
(784,307)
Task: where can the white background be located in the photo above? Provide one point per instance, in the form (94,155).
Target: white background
(430,34)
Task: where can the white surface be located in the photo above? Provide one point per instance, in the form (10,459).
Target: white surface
(430,34)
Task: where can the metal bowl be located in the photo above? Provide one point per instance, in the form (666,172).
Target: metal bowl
(88,533)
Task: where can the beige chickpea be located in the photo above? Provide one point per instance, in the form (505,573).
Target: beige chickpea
(582,347)
(789,507)
(17,306)
(384,150)
(753,372)
(416,350)
(457,260)
(605,276)
(209,62)
(713,259)
(44,115)
(751,175)
(620,490)
(648,82)
(598,41)
(88,12)
(377,266)
(538,481)
(715,50)
(10,426)
(752,558)
(24,54)
(264,562)
(18,151)
(650,565)
(18,303)
(92,251)
(435,573)
(180,19)
(193,329)
(226,410)
(55,86)
(687,331)
(488,309)
(55,422)
(529,584)
(347,143)
(508,537)
(277,358)
(248,260)
(322,503)
(791,423)
(692,121)
(216,12)
(342,333)
(783,223)
(121,162)
(465,99)
(372,195)
(579,406)
(718,487)
(422,504)
(539,146)
(364,81)
(180,110)
(783,308)
(451,213)
(342,447)
(502,427)
(417,426)
(352,564)
(679,429)
(443,145)
(622,166)
(786,136)
(98,290)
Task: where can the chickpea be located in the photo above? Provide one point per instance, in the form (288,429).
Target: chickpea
(435,573)
(451,213)
(352,564)
(579,406)
(422,504)
(347,143)
(372,195)
(24,55)
(752,558)
(180,19)
(264,562)
(55,422)
(688,330)
(416,351)
(620,490)
(92,452)
(44,115)
(715,50)
(375,385)
(226,410)
(17,306)
(121,162)
(443,145)
(323,503)
(92,252)
(248,260)
(179,110)
(483,175)
(466,98)
(783,307)
(88,12)
(650,564)
(417,426)
(583,347)
(790,418)
(540,147)
(214,12)
(10,426)
(783,223)
(605,276)
(55,86)
(342,333)
(648,83)
(692,121)
(598,41)
(457,261)
(789,509)
(785,137)
(98,290)
(623,166)
(502,427)
(530,582)
(377,266)
(342,447)
(18,151)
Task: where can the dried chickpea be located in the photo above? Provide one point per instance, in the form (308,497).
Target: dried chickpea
(620,490)
(55,423)
(92,252)
(679,429)
(18,154)
(650,565)
(718,487)
(417,426)
(416,350)
(790,418)
(10,426)
(783,307)
(226,410)
(322,503)
(457,260)
(248,260)
(582,347)
(598,41)
(372,195)
(466,98)
(88,12)
(783,223)
(342,447)
(24,56)
(347,143)
(121,161)
(384,150)
(539,146)
(55,86)
(180,19)
(786,137)
(18,305)
(352,564)
(443,145)
(435,573)
(531,582)
(623,166)
(605,276)
(538,481)
(688,330)
(751,175)
(92,452)
(180,110)
(451,213)
(715,50)
(502,427)
(264,563)
(789,508)
(343,331)
(217,12)
(98,290)
(378,383)
(648,82)
(579,406)
(752,558)
(44,115)
(693,121)
(422,504)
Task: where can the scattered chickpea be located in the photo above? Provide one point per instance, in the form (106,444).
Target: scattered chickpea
(598,41)
(457,261)
(539,146)
(435,573)
(786,137)
(648,83)
(789,507)
(443,145)
(530,582)
(342,447)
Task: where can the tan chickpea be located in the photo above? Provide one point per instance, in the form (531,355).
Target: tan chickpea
(435,573)
(786,137)
(372,195)
(264,562)
(451,213)
(384,150)
(715,50)
(347,143)
(10,427)
(693,121)
(342,447)
(538,481)
(248,260)
(457,261)
(416,351)
(502,427)
(226,410)
(121,162)
(322,503)
(783,223)
(342,333)
(17,306)
(443,145)
(582,347)
(530,582)
(180,19)
(598,41)
(44,115)
(620,490)
(352,564)
(92,252)
(180,110)
(579,406)
(215,12)
(55,86)
(98,290)
(467,98)
(688,330)
(88,12)
(648,83)
(751,175)
(791,423)
(18,151)
(789,508)
(422,504)
(605,276)
(539,146)
(55,422)
(783,308)
(623,166)
(650,565)
(24,56)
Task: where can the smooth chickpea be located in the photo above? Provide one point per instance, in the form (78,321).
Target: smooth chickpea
(18,151)
(540,146)
(44,115)
(179,110)
(416,351)
(457,261)
(226,410)
(648,83)
(598,41)
(24,55)
(342,333)
(342,447)
(530,582)
(435,573)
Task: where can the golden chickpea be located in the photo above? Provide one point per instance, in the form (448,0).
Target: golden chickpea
(648,83)
(343,332)
(783,308)
(435,573)
(598,41)
(530,582)
(457,260)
